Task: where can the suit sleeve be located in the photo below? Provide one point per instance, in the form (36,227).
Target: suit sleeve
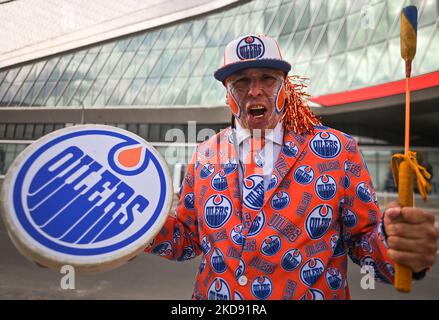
(179,237)
(362,221)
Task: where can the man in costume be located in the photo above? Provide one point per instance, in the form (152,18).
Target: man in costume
(276,202)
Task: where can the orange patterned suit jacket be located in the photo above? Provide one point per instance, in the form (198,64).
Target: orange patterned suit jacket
(319,208)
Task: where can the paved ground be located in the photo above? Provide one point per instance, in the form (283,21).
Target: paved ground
(148,277)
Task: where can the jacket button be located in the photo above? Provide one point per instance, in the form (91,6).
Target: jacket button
(242,280)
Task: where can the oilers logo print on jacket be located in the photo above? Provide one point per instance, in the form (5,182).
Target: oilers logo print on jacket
(319,208)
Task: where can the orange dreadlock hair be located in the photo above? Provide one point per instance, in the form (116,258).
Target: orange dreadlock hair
(298,117)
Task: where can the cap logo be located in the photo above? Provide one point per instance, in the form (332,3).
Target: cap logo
(250,48)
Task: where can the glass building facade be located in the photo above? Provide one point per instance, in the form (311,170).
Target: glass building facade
(339,45)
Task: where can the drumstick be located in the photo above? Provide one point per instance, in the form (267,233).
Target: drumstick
(409,15)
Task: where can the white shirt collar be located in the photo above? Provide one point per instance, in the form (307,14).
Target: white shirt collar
(276,135)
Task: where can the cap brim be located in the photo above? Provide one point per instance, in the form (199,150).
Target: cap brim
(222,73)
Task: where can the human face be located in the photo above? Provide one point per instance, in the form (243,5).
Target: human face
(255,91)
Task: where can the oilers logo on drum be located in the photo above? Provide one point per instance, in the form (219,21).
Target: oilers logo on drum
(217,211)
(325,145)
(261,288)
(311,271)
(78,199)
(318,221)
(218,290)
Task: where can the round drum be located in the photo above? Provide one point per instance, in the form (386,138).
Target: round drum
(89,196)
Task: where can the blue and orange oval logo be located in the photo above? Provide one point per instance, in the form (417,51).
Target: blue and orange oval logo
(81,191)
(250,47)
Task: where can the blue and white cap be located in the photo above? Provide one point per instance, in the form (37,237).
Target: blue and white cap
(251,51)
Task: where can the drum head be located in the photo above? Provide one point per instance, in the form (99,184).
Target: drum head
(89,196)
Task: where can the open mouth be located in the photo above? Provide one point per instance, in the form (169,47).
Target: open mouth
(257,111)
